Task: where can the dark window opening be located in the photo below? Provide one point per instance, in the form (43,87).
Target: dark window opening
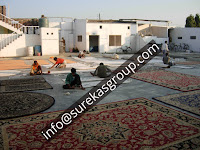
(128,27)
(100,27)
(179,37)
(114,40)
(192,37)
(80,38)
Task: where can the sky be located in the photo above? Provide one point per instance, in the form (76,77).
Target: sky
(175,11)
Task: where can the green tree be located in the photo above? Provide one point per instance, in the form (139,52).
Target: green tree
(197,20)
(190,21)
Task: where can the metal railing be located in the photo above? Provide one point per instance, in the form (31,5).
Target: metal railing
(6,39)
(10,21)
(19,26)
(30,29)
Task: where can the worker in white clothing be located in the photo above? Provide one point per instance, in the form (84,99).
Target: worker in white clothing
(165,48)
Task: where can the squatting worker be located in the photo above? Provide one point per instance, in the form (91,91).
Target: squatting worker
(102,71)
(61,63)
(36,69)
(82,54)
(166,60)
(73,80)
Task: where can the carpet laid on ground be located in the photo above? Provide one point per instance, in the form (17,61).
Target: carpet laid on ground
(28,84)
(18,64)
(67,61)
(23,103)
(173,80)
(188,63)
(42,62)
(188,101)
(88,82)
(13,65)
(130,124)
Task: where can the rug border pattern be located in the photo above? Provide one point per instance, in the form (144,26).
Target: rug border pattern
(176,114)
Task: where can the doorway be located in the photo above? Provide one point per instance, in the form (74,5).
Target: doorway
(94,43)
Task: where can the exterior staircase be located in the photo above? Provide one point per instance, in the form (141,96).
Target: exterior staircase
(11,24)
(8,39)
(17,29)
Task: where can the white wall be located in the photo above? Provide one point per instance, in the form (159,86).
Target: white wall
(66,31)
(49,41)
(138,42)
(147,39)
(185,33)
(161,40)
(110,29)
(54,24)
(32,39)
(80,29)
(16,48)
(134,28)
(20,45)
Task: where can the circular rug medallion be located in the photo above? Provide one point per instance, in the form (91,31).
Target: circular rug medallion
(23,103)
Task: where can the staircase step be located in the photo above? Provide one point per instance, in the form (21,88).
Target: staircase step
(10,41)
(10,27)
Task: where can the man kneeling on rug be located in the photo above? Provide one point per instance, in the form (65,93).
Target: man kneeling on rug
(36,69)
(73,80)
(61,63)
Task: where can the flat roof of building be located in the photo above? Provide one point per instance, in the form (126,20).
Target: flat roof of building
(108,21)
(144,20)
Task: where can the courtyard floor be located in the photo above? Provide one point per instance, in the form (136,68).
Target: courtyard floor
(132,89)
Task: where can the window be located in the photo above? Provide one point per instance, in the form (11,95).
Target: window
(180,38)
(128,27)
(80,38)
(192,37)
(114,40)
(51,33)
(47,33)
(100,27)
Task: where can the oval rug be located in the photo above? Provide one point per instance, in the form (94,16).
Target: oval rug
(19,104)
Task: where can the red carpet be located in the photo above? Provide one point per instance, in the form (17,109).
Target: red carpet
(130,124)
(173,80)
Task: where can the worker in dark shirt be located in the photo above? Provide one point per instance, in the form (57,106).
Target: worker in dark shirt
(166,60)
(73,80)
(102,71)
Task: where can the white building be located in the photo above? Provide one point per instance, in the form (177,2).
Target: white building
(102,36)
(21,38)
(105,36)
(190,36)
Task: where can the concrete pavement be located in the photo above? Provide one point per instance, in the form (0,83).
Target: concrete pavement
(131,90)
